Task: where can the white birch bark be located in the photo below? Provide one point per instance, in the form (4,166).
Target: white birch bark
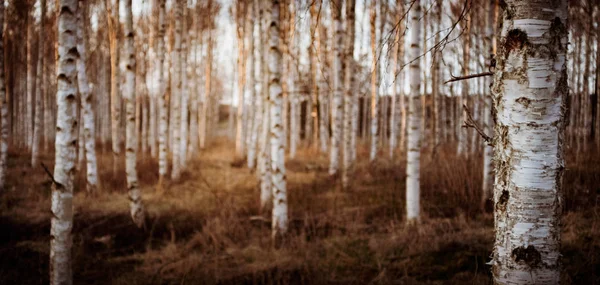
(87,110)
(337,103)
(413,183)
(176,90)
(4,126)
(348,92)
(61,240)
(264,158)
(252,151)
(131,145)
(193,75)
(280,210)
(530,91)
(161,89)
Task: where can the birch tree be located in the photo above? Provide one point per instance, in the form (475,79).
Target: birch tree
(89,132)
(115,98)
(413,183)
(162,100)
(530,89)
(337,103)
(374,85)
(131,145)
(39,90)
(348,91)
(61,240)
(280,211)
(176,89)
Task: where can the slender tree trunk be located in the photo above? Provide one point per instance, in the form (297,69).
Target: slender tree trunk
(314,89)
(264,158)
(280,211)
(463,134)
(529,91)
(204,116)
(66,133)
(241,67)
(115,98)
(131,145)
(87,109)
(337,103)
(488,167)
(435,78)
(374,85)
(39,91)
(185,89)
(395,78)
(413,183)
(348,91)
(162,95)
(30,81)
(4,123)
(176,90)
(255,82)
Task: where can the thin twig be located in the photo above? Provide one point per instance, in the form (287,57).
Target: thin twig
(49,173)
(470,123)
(458,78)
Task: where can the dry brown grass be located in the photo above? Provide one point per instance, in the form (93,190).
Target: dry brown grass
(200,229)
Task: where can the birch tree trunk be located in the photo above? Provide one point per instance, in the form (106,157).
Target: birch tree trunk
(463,134)
(4,124)
(39,91)
(374,85)
(413,183)
(529,92)
(264,159)
(115,98)
(131,145)
(185,89)
(337,103)
(314,90)
(61,240)
(348,91)
(162,100)
(30,81)
(280,211)
(87,109)
(241,67)
(323,88)
(395,78)
(488,167)
(176,90)
(255,84)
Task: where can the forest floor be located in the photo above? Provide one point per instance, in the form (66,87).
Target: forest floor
(207,228)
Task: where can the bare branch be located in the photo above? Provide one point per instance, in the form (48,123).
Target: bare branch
(470,123)
(470,76)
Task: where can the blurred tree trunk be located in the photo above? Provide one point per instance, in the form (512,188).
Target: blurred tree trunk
(193,77)
(414,119)
(4,117)
(39,91)
(463,133)
(131,146)
(586,110)
(161,90)
(204,116)
(30,80)
(240,18)
(152,79)
(66,133)
(295,97)
(530,90)
(322,86)
(393,96)
(255,84)
(401,63)
(176,89)
(185,88)
(337,103)
(87,108)
(348,91)
(314,89)
(280,210)
(115,96)
(491,22)
(435,76)
(374,85)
